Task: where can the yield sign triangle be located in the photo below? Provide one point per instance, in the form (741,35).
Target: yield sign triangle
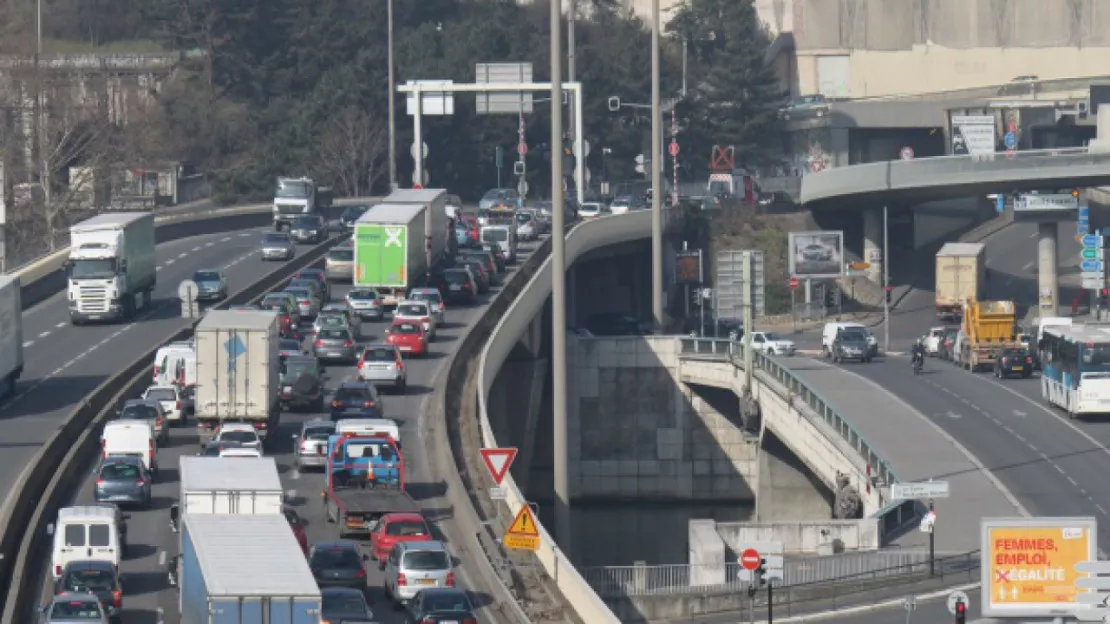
(498,461)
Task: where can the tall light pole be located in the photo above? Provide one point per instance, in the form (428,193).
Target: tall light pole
(572,70)
(392,99)
(558,290)
(656,176)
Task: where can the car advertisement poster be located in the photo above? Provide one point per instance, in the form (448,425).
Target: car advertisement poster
(973,135)
(816,255)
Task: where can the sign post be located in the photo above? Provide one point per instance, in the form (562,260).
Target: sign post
(187,292)
(931,490)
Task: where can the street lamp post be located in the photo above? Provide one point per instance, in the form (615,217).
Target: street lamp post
(656,177)
(392,99)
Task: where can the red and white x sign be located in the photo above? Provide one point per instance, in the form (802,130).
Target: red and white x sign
(1001,576)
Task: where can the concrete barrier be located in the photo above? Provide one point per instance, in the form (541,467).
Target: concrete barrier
(43,278)
(46,483)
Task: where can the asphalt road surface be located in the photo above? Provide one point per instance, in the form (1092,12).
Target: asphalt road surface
(149,600)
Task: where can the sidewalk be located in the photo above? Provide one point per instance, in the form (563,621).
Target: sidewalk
(917,450)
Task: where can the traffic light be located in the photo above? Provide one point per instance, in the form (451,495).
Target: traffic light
(761,571)
(889,290)
(961,612)
(1075,192)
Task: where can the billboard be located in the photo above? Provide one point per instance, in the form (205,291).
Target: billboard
(688,268)
(973,134)
(1052,202)
(815,255)
(1028,564)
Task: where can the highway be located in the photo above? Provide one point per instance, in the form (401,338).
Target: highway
(147,597)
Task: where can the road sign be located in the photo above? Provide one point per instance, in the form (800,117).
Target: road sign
(749,559)
(187,290)
(906,153)
(1091,282)
(498,461)
(1000,203)
(769,552)
(498,493)
(1084,213)
(1090,266)
(1010,141)
(793,282)
(417,182)
(957,596)
(859,266)
(673,149)
(424,150)
(585,148)
(1029,564)
(918,491)
(909,603)
(522,533)
(522,148)
(1011,127)
(522,187)
(586,172)
(1091,254)
(417,186)
(1091,241)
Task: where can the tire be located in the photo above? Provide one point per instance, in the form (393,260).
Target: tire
(401,387)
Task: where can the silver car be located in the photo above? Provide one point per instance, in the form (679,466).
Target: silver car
(334,344)
(211,284)
(152,411)
(340,264)
(277,246)
(381,365)
(122,480)
(311,444)
(421,565)
(435,301)
(74,608)
(366,304)
(307,303)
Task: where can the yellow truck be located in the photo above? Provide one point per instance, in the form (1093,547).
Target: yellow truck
(988,328)
(960,276)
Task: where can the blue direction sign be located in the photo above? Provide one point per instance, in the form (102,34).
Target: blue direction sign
(1090,266)
(1000,203)
(1083,228)
(1091,241)
(1010,140)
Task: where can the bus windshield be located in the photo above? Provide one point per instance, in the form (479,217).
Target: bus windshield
(1094,358)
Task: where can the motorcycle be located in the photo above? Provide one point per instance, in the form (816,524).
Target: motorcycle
(918,363)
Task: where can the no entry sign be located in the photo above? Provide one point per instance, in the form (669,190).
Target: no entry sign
(749,559)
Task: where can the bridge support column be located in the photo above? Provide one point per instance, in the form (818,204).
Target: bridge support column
(873,243)
(537,376)
(1048,290)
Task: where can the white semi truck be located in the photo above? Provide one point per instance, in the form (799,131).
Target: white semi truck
(111,270)
(11,334)
(294,197)
(237,370)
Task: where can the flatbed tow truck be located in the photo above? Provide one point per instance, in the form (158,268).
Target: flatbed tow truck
(365,481)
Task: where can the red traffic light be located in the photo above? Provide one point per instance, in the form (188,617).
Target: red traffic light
(961,607)
(889,288)
(1104,292)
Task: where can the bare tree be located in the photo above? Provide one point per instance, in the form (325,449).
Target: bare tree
(352,152)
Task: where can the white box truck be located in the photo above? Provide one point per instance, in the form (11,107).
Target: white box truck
(245,570)
(237,369)
(11,334)
(111,269)
(246,485)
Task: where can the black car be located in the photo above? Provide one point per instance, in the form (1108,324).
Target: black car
(355,399)
(851,344)
(1013,362)
(350,215)
(614,324)
(302,383)
(345,604)
(458,285)
(99,578)
(440,604)
(309,229)
(338,564)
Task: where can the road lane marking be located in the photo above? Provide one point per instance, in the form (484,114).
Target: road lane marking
(28,343)
(169,262)
(61,324)
(1028,266)
(44,334)
(197,248)
(161,558)
(182,255)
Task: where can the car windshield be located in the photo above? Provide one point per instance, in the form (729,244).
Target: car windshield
(772,336)
(411,309)
(161,394)
(292,190)
(343,603)
(406,529)
(89,580)
(318,433)
(289,345)
(353,212)
(524,217)
(426,560)
(426,296)
(276,239)
(379,354)
(299,293)
(341,255)
(446,602)
(495,235)
(405,328)
(242,437)
(206,276)
(456,277)
(296,369)
(76,610)
(853,335)
(117,471)
(140,412)
(349,393)
(362,295)
(333,334)
(1013,352)
(332,320)
(495,194)
(336,558)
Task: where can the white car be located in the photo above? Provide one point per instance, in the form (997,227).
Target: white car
(241,433)
(932,340)
(417,312)
(172,399)
(772,344)
(434,299)
(589,210)
(245,451)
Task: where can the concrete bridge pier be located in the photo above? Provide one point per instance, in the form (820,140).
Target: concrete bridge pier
(873,243)
(1048,290)
(787,488)
(517,395)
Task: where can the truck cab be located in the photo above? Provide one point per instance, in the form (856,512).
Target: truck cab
(110,270)
(295,197)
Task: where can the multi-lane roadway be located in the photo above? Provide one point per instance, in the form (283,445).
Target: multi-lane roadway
(151,542)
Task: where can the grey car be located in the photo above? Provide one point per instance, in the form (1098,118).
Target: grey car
(309,229)
(334,344)
(277,246)
(122,480)
(498,197)
(307,302)
(340,264)
(151,411)
(310,446)
(211,284)
(366,304)
(74,608)
(421,564)
(382,365)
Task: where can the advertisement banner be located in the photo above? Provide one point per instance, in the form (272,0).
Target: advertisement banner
(1028,566)
(973,135)
(1051,202)
(815,255)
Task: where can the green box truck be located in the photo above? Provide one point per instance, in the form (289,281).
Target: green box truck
(389,250)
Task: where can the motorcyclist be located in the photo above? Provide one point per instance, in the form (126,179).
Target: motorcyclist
(918,353)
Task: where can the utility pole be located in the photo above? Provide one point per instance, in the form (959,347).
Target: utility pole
(656,176)
(886,285)
(559,291)
(746,271)
(392,100)
(572,68)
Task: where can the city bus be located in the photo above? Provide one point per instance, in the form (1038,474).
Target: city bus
(1075,363)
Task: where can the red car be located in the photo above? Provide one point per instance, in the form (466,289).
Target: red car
(297,524)
(394,528)
(408,337)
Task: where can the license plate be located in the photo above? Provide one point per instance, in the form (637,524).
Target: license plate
(426,582)
(334,354)
(406,348)
(354,523)
(1017,368)
(288,389)
(455,287)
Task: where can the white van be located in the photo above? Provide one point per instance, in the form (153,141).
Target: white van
(86,533)
(133,438)
(504,235)
(828,335)
(177,368)
(370,427)
(161,357)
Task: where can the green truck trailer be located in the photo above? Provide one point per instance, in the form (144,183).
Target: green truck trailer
(389,250)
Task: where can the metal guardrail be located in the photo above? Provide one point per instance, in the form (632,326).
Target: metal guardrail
(896,515)
(660,580)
